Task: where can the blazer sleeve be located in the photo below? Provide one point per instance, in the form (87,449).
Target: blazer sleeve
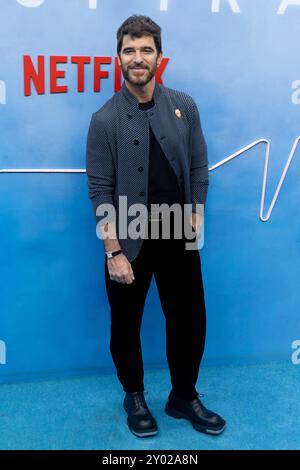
(199,163)
(100,168)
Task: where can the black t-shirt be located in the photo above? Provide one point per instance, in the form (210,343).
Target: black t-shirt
(163,185)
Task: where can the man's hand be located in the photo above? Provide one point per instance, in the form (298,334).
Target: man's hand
(197,222)
(120,269)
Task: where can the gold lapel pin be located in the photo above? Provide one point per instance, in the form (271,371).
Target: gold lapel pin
(178,113)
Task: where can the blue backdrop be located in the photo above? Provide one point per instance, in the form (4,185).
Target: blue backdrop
(239,61)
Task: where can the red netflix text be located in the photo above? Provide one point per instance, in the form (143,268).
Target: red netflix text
(35,75)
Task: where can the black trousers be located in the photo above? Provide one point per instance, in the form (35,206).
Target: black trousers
(178,278)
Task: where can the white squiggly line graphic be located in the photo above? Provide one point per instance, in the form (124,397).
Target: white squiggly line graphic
(214,167)
(262,201)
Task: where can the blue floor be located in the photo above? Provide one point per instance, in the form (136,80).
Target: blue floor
(260,403)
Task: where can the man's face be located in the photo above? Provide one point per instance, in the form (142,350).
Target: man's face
(139,59)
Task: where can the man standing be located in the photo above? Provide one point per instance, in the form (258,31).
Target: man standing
(146,144)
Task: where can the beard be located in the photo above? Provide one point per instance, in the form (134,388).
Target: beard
(139,78)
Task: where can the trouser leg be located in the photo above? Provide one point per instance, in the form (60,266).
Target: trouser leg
(179,281)
(126,308)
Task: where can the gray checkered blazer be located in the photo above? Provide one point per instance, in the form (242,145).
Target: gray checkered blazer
(117,155)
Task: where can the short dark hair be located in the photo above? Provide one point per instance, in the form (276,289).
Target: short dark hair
(137,26)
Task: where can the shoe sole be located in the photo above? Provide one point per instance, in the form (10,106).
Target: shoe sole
(178,415)
(140,434)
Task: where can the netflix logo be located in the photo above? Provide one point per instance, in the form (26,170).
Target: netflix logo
(100,67)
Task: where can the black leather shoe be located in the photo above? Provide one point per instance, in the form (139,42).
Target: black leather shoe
(140,421)
(202,419)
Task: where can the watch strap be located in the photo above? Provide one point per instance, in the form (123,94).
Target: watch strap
(111,254)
